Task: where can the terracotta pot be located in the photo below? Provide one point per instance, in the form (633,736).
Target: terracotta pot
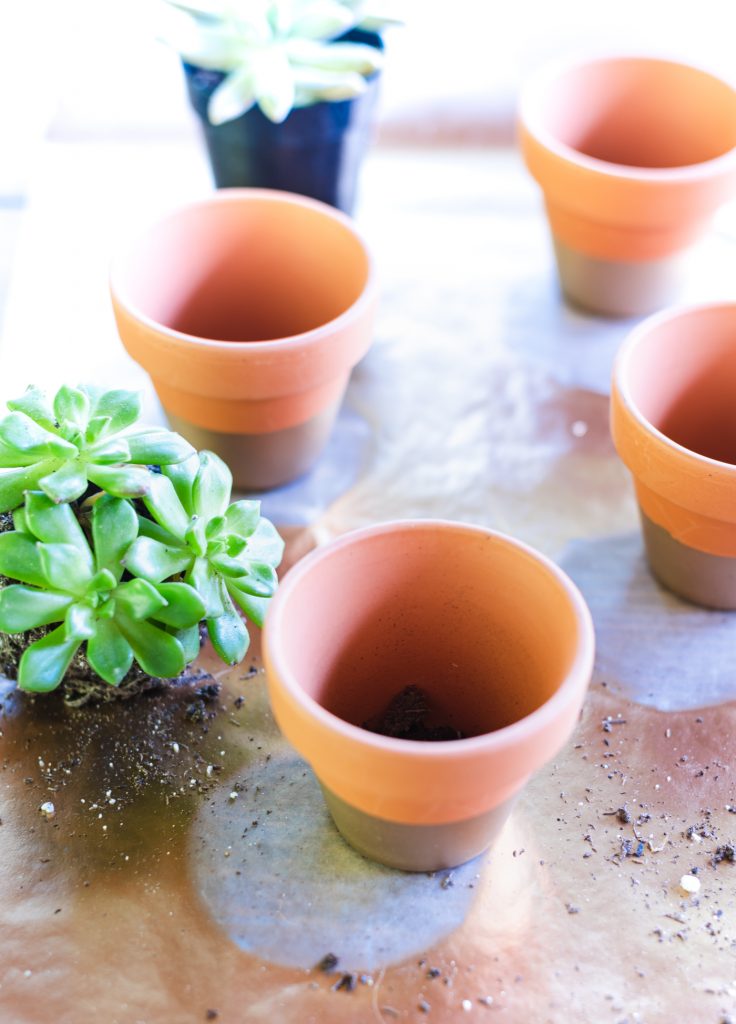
(634,155)
(317,151)
(249,309)
(497,637)
(674,425)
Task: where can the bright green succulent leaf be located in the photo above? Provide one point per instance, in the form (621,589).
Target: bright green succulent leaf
(196,536)
(164,505)
(229,635)
(35,404)
(189,640)
(205,581)
(80,622)
(157,447)
(228,566)
(182,475)
(20,559)
(102,581)
(260,581)
(157,652)
(109,451)
(184,609)
(254,608)
(20,522)
(148,528)
(64,568)
(96,428)
(13,458)
(214,527)
(235,546)
(154,561)
(67,483)
(265,544)
(55,524)
(114,528)
(242,517)
(122,481)
(212,486)
(19,431)
(15,482)
(44,664)
(139,599)
(122,407)
(109,653)
(22,608)
(72,405)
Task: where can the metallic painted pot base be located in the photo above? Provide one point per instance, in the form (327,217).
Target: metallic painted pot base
(617,288)
(416,847)
(260,462)
(704,579)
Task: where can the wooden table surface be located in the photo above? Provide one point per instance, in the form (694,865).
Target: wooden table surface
(190,871)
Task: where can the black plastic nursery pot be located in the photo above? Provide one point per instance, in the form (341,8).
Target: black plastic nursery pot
(317,151)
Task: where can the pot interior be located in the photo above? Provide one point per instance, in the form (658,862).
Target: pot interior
(486,630)
(245,268)
(682,378)
(641,112)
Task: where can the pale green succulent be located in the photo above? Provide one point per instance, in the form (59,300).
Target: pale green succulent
(65,579)
(227,553)
(278,54)
(85,435)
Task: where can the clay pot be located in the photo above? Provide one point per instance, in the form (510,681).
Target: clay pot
(496,636)
(673,421)
(317,151)
(634,155)
(249,309)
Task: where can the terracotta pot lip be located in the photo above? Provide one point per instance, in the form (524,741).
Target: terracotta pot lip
(531,120)
(622,388)
(255,348)
(498,741)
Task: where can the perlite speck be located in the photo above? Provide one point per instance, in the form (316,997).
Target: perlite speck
(47,809)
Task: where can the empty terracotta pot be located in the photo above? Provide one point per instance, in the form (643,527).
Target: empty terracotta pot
(249,309)
(634,155)
(495,635)
(673,419)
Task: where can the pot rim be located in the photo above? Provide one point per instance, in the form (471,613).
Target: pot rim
(254,348)
(531,120)
(498,741)
(621,385)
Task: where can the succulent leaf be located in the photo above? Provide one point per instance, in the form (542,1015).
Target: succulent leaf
(83,435)
(156,562)
(184,608)
(182,475)
(163,503)
(157,652)
(20,559)
(228,635)
(212,486)
(254,608)
(114,528)
(139,599)
(23,608)
(189,640)
(44,663)
(64,568)
(80,622)
(109,653)
(55,524)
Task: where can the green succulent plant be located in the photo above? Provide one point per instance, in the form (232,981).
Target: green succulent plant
(66,578)
(278,54)
(84,435)
(226,552)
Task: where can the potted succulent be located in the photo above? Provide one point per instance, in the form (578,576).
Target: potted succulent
(249,310)
(672,424)
(285,92)
(119,547)
(454,666)
(634,155)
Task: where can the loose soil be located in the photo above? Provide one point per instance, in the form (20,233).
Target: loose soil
(409,716)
